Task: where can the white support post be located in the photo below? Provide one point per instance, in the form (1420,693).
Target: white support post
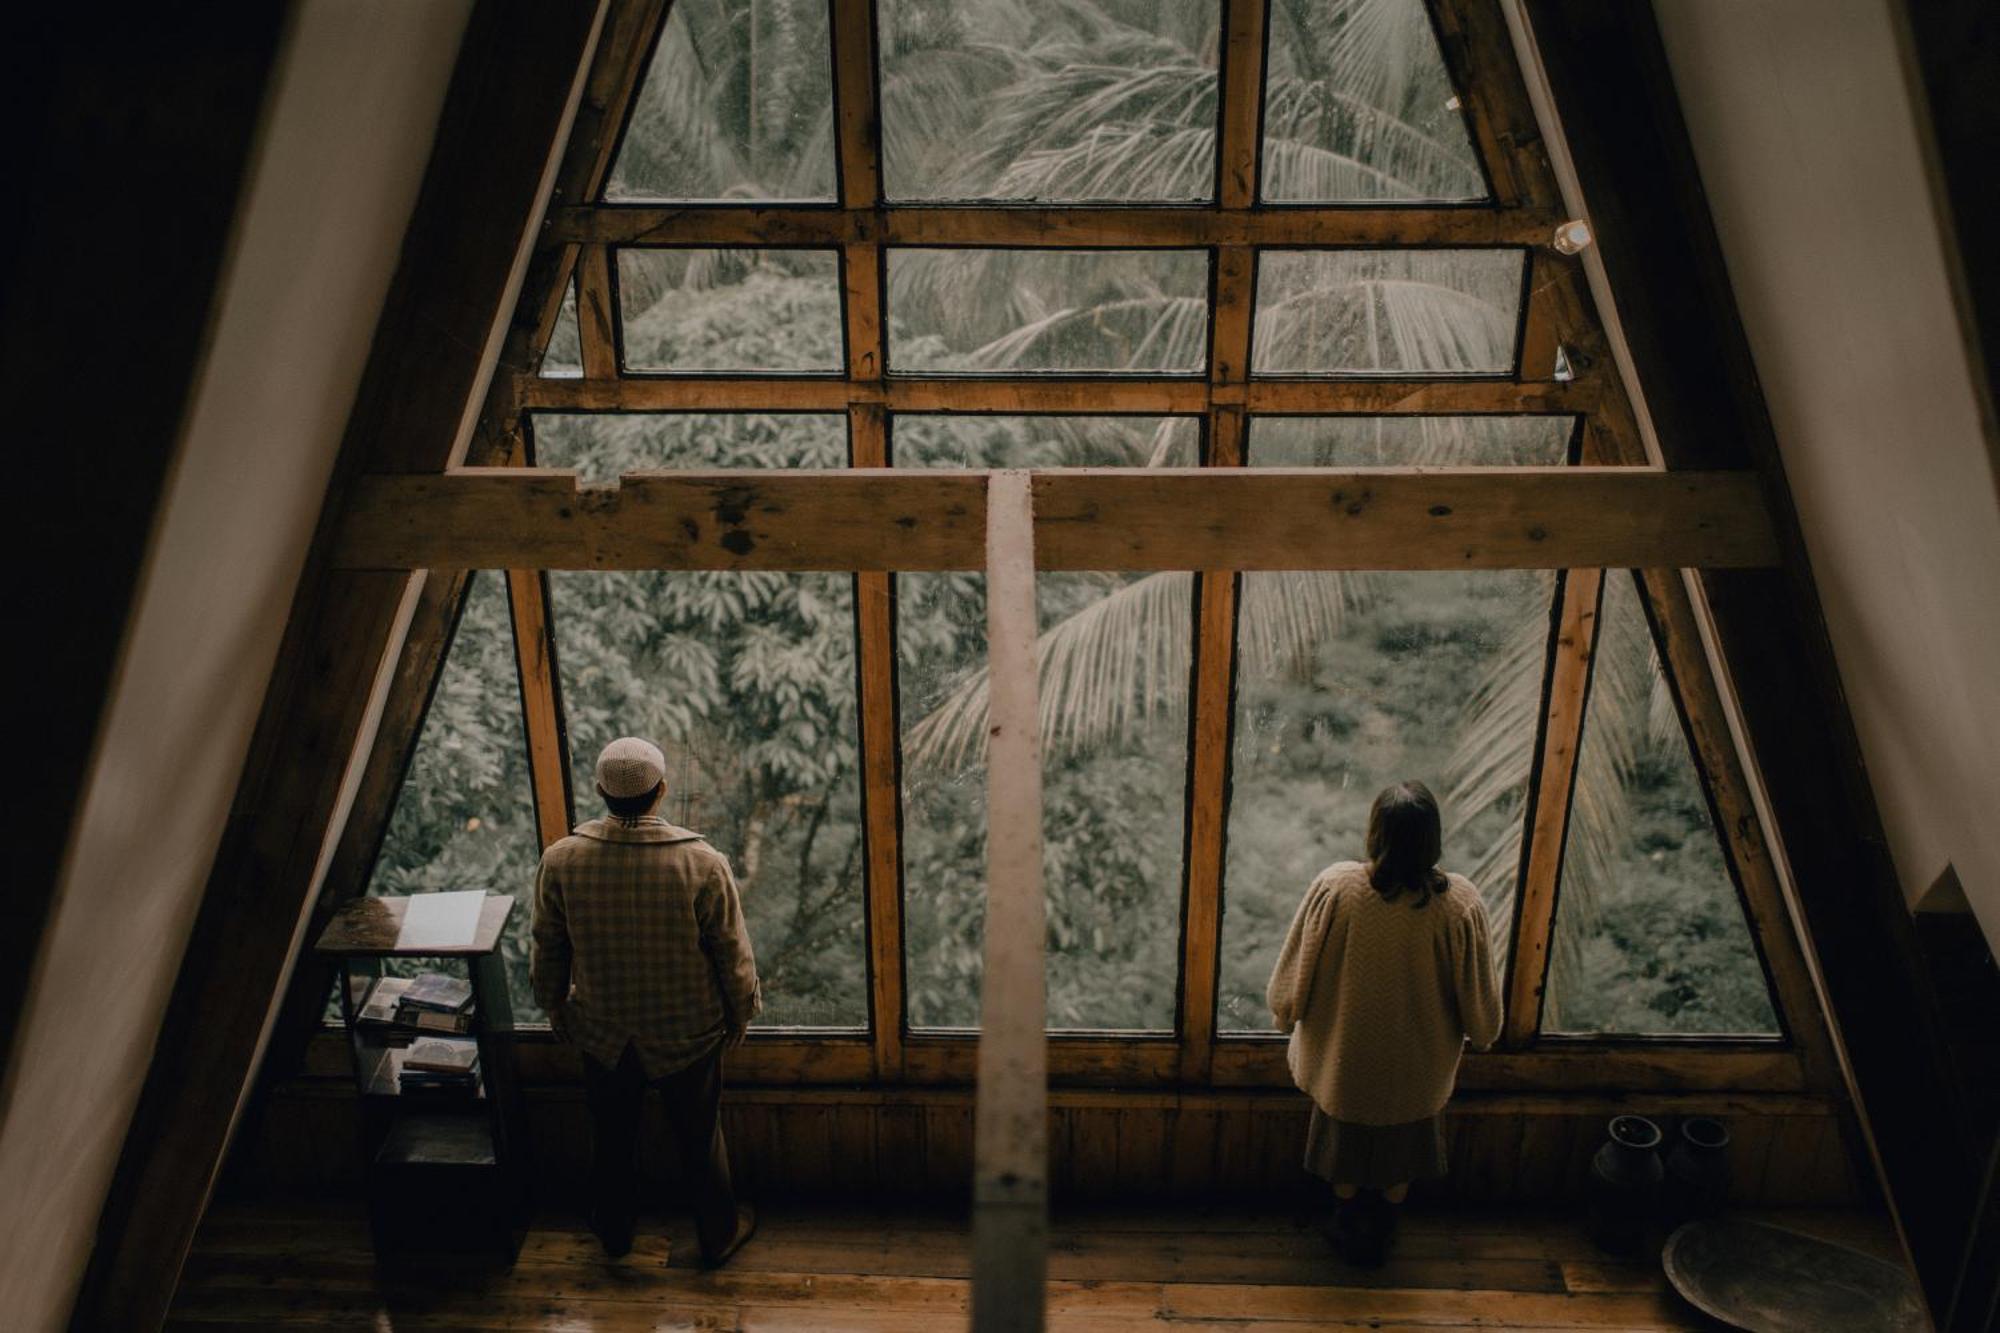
(1010,1213)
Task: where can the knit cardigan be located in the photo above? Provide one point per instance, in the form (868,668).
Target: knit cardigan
(1380,995)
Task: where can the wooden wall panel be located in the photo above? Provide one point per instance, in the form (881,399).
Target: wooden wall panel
(905,1145)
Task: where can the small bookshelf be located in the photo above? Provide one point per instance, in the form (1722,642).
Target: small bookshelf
(443,1122)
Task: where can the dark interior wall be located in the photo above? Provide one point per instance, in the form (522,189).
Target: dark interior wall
(184,336)
(1804,122)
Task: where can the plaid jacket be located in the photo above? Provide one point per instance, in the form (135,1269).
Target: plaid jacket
(639,937)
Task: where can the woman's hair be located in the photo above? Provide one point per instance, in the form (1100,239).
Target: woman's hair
(1405,840)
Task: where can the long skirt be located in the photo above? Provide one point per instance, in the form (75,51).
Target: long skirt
(1374,1156)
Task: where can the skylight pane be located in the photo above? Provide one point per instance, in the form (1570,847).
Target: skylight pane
(746,683)
(1386,312)
(1046,101)
(1115,653)
(563,357)
(1001,312)
(755,311)
(1413,441)
(1358,107)
(465,815)
(1650,935)
(737,105)
(1348,682)
(604,445)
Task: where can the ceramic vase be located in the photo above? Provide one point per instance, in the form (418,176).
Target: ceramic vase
(1625,1177)
(1697,1170)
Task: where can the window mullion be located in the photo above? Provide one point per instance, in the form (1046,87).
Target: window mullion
(1578,597)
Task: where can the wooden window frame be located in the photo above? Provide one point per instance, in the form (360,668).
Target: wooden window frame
(1556,319)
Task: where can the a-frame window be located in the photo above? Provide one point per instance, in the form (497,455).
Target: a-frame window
(1201,234)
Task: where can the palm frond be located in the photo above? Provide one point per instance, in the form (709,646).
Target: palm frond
(1108,668)
(1112,667)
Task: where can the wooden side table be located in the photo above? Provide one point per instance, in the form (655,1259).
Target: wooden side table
(445,1171)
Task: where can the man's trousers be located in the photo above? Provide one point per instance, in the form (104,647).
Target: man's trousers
(693,1098)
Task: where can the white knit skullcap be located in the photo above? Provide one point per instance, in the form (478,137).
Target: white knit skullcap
(630,767)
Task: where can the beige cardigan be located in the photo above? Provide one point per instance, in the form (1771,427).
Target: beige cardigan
(1380,995)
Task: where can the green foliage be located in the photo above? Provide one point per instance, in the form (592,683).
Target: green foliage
(1345,682)
(465,817)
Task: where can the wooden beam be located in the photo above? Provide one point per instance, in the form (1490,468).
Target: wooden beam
(596,314)
(1613,92)
(630,29)
(859,147)
(1242,99)
(1578,596)
(1676,626)
(1087,519)
(425,645)
(1150,395)
(519,76)
(858,135)
(541,716)
(1010,1197)
(1584,1066)
(165,102)
(1479,58)
(1207,819)
(1543,311)
(1130,228)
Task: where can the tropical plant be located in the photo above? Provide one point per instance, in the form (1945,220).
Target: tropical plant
(747,680)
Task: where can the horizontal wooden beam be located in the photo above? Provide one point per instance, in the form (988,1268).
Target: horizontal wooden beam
(1085,519)
(1152,395)
(1140,227)
(1086,1066)
(1591,1067)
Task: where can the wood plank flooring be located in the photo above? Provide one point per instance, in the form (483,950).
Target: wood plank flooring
(815,1268)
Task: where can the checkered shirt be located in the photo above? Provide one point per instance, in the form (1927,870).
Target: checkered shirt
(639,937)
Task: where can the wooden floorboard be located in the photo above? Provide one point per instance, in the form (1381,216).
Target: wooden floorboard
(815,1268)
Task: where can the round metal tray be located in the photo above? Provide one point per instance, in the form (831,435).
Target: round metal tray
(1769,1280)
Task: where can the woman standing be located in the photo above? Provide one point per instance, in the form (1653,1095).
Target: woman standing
(1385,974)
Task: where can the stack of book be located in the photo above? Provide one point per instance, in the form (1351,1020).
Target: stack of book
(429,1002)
(439,1065)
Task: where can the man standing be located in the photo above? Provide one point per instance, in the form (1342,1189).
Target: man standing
(642,963)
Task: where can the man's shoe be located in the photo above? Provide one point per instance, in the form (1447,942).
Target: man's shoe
(746,1227)
(614,1236)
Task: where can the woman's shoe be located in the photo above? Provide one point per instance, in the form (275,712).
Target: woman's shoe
(1361,1229)
(746,1227)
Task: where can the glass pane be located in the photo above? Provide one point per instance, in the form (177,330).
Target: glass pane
(603,446)
(737,104)
(465,817)
(1650,935)
(1347,683)
(1046,100)
(563,357)
(1386,312)
(1412,441)
(1114,658)
(1358,107)
(730,310)
(1007,311)
(746,682)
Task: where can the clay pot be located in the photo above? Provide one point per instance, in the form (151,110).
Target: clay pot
(1697,1179)
(1625,1178)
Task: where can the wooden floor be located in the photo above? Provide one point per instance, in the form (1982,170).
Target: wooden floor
(813,1268)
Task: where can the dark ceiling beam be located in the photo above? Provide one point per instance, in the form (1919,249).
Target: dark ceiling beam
(1614,96)
(507,113)
(160,106)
